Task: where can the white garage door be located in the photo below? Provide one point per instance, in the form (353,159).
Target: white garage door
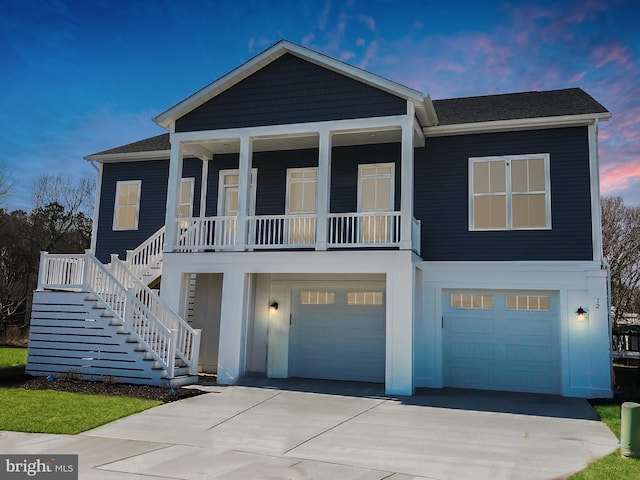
(338,333)
(500,340)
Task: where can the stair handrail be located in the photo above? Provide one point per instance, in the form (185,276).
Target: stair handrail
(147,254)
(84,271)
(187,338)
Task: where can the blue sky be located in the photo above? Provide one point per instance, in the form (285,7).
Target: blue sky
(82,76)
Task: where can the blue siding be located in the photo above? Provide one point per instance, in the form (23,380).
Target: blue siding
(441,197)
(344,173)
(291,90)
(153,200)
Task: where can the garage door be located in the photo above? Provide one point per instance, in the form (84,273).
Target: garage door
(338,333)
(501,340)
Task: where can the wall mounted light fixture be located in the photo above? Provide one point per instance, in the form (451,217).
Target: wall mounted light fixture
(581,313)
(274,305)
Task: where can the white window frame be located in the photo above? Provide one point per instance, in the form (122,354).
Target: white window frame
(391,176)
(234,171)
(192,181)
(300,180)
(508,159)
(120,184)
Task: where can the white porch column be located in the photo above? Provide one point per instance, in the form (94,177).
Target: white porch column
(406,184)
(233,317)
(244,190)
(204,185)
(401,285)
(324,189)
(173,195)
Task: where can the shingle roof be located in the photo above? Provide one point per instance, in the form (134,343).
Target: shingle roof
(453,111)
(153,144)
(512,106)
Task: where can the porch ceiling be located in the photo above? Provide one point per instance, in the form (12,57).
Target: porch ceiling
(296,142)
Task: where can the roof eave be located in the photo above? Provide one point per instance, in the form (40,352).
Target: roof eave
(517,124)
(238,74)
(128,157)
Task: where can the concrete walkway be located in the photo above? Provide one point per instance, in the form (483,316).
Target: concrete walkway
(331,430)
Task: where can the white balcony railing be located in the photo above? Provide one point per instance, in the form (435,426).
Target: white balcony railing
(344,230)
(206,233)
(281,231)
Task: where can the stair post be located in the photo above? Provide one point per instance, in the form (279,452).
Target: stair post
(172,353)
(195,353)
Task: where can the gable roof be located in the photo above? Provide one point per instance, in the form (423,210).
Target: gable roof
(423,106)
(516,106)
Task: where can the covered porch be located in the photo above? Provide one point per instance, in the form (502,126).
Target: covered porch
(303,212)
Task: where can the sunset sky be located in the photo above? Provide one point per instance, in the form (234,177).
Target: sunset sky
(81,76)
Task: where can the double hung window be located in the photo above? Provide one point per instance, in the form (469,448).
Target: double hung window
(509,193)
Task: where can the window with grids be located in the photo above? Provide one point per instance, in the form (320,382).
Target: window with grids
(127,205)
(365,298)
(528,302)
(471,301)
(509,193)
(314,297)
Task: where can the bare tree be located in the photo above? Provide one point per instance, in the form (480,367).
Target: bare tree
(75,196)
(621,246)
(6,182)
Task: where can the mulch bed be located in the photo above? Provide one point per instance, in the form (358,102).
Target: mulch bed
(162,394)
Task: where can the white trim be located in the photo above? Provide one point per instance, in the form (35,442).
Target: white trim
(192,181)
(300,180)
(116,205)
(129,157)
(373,124)
(96,210)
(594,182)
(515,124)
(508,193)
(221,193)
(204,186)
(274,52)
(391,176)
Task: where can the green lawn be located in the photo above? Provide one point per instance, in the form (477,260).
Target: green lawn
(49,411)
(613,465)
(12,357)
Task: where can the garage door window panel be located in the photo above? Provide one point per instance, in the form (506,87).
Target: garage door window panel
(471,301)
(309,297)
(528,302)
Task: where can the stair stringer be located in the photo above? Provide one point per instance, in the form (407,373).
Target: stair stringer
(73,332)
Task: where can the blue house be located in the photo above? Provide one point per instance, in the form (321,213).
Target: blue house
(306,218)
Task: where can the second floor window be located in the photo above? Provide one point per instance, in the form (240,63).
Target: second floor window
(127,205)
(509,193)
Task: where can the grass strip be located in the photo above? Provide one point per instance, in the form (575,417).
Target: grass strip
(49,411)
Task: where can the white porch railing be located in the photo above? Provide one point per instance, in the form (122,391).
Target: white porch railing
(199,233)
(147,255)
(364,229)
(353,230)
(159,332)
(281,231)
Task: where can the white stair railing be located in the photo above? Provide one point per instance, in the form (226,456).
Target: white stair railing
(187,338)
(147,255)
(161,331)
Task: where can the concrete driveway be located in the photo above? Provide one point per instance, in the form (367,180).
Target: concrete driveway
(332,430)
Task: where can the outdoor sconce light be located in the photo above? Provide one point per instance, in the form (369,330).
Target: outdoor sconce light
(581,313)
(274,305)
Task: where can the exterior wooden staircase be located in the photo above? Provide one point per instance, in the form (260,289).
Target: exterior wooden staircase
(101,321)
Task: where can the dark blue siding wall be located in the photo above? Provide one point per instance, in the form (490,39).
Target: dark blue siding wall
(291,90)
(344,173)
(441,197)
(272,177)
(153,200)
